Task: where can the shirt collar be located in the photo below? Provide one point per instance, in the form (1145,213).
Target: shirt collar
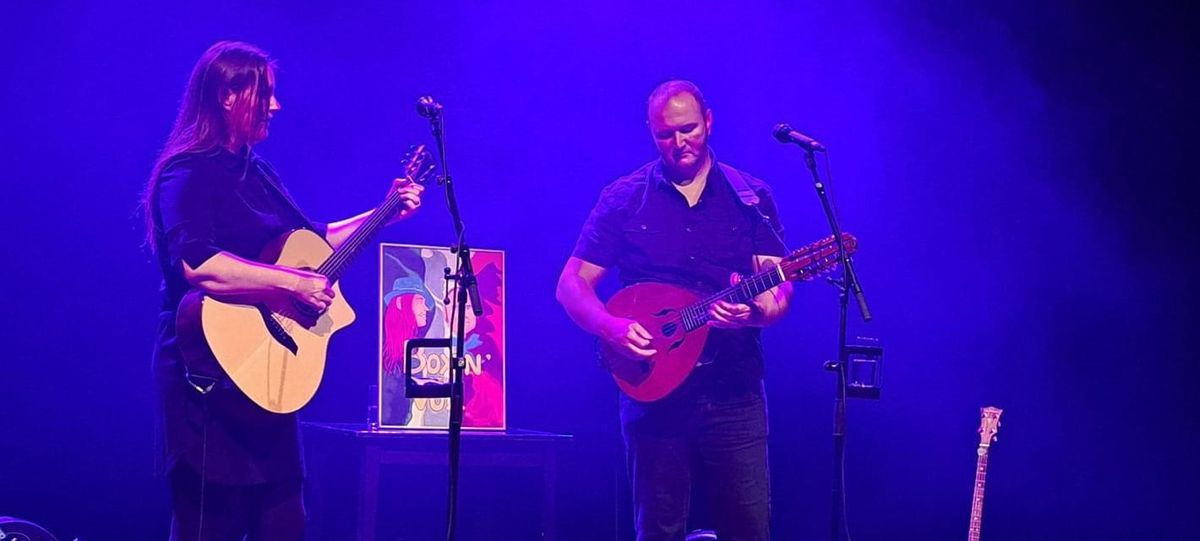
(660,180)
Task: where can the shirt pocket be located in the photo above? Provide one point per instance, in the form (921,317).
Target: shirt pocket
(646,240)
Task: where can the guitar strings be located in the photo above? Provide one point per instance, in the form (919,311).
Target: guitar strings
(761,281)
(333,266)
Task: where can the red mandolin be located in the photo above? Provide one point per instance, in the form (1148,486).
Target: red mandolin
(677,319)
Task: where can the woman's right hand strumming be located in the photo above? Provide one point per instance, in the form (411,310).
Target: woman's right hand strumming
(312,289)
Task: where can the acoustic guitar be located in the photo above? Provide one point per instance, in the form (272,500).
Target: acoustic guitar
(274,351)
(677,319)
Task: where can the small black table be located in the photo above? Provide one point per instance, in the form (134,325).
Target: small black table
(334,449)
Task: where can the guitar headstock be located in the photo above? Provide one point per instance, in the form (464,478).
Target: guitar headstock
(817,258)
(989,424)
(418,164)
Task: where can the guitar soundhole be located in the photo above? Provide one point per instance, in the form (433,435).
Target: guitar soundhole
(669,329)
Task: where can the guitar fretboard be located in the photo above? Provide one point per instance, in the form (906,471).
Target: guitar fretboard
(802,264)
(695,315)
(333,267)
(977,497)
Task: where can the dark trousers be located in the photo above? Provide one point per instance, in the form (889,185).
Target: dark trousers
(269,511)
(692,436)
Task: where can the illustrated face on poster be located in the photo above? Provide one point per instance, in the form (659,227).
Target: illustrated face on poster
(412,291)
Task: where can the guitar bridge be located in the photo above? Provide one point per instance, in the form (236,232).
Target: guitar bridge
(277,331)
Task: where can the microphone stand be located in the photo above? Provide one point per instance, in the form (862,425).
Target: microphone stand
(464,276)
(846,285)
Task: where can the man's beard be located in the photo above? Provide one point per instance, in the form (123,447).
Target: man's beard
(681,170)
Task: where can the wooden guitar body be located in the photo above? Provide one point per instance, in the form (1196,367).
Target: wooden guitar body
(274,349)
(277,374)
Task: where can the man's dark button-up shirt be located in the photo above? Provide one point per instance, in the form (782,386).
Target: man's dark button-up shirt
(642,226)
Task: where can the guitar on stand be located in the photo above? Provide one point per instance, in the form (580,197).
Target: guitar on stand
(677,318)
(274,352)
(989,424)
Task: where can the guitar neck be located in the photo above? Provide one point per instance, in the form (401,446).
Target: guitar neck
(333,267)
(977,497)
(696,315)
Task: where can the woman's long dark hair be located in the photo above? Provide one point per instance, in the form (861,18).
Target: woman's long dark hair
(228,67)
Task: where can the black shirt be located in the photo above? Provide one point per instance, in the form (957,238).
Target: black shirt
(216,201)
(644,228)
(208,202)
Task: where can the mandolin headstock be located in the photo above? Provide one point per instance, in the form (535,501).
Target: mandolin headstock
(817,258)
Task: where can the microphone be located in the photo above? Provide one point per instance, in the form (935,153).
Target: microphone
(785,134)
(428,107)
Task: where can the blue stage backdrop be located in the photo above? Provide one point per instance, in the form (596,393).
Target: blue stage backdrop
(1016,176)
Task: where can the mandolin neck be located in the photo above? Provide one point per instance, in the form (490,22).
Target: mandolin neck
(695,315)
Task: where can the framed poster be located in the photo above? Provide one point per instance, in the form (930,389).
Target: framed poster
(412,291)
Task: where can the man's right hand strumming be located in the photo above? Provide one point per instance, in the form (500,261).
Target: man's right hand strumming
(577,293)
(628,337)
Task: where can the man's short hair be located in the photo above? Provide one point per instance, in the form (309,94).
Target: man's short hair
(670,88)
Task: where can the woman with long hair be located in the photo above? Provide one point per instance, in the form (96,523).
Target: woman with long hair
(404,318)
(211,205)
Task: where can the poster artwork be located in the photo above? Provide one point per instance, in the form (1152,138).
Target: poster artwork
(412,291)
